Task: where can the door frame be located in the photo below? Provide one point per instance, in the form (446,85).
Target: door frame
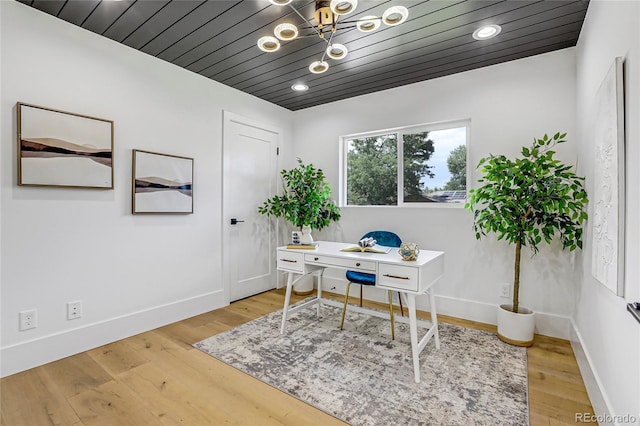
(229,117)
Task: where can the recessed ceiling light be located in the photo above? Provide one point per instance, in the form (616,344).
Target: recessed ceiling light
(280,2)
(487,32)
(300,87)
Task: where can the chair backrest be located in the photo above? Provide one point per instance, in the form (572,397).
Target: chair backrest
(384,238)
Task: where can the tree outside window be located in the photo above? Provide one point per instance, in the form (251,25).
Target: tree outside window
(432,164)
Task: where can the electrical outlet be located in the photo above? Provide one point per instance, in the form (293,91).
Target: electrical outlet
(74,309)
(505,290)
(28,319)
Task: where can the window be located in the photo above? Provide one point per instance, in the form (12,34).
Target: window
(417,165)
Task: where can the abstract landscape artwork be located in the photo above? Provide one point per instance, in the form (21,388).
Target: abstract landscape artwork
(57,148)
(162,183)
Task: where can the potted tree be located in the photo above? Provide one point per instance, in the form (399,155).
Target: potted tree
(527,201)
(305,202)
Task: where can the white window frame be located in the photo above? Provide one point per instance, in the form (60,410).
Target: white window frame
(400,132)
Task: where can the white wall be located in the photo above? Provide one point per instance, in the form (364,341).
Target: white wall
(607,332)
(509,104)
(132,273)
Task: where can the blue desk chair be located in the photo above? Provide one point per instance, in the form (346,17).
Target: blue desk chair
(383,238)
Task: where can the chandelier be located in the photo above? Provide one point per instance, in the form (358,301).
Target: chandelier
(328,14)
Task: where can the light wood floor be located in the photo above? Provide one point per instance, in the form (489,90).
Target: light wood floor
(158,378)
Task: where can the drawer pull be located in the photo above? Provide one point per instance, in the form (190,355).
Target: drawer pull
(396,276)
(358,264)
(288,260)
(316,258)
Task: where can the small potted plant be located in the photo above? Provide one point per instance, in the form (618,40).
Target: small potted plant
(305,201)
(528,201)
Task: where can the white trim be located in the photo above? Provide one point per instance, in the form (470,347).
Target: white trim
(32,353)
(599,400)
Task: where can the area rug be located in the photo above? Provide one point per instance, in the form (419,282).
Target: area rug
(362,377)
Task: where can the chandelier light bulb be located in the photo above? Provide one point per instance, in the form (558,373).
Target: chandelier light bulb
(280,2)
(286,31)
(318,67)
(268,44)
(343,7)
(368,23)
(395,15)
(336,51)
(487,32)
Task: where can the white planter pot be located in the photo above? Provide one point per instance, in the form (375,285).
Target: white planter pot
(306,237)
(516,329)
(304,286)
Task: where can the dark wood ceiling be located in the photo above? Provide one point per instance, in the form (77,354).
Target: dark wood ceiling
(217,39)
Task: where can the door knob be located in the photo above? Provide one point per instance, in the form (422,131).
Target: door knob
(235,221)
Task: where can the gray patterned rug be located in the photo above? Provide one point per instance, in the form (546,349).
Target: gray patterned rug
(363,377)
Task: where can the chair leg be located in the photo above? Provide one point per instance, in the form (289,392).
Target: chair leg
(393,325)
(344,309)
(400,299)
(361,295)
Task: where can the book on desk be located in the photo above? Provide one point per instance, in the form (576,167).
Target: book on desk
(311,246)
(371,249)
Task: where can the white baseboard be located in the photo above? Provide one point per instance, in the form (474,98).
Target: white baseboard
(599,400)
(25,355)
(546,324)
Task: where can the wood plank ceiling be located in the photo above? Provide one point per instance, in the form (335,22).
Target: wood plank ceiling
(217,39)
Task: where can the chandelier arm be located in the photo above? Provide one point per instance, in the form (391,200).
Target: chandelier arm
(307,21)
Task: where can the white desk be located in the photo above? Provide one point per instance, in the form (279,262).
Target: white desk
(411,278)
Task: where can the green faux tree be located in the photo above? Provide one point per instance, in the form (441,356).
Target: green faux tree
(305,200)
(528,200)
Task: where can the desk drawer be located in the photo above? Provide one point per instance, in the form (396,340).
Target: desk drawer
(354,264)
(290,261)
(398,277)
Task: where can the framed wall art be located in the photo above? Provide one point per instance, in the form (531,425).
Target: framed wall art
(162,183)
(609,182)
(63,149)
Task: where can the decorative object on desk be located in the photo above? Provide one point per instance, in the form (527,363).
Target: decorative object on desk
(162,183)
(472,379)
(305,202)
(409,251)
(527,201)
(295,237)
(305,237)
(63,149)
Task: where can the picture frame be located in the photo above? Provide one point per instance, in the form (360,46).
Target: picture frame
(63,149)
(608,218)
(161,183)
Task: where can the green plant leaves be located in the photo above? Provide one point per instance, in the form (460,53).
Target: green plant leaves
(530,199)
(305,199)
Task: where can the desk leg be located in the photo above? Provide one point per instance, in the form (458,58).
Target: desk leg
(287,300)
(413,331)
(319,291)
(434,317)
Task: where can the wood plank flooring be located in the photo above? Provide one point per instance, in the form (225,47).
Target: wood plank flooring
(158,378)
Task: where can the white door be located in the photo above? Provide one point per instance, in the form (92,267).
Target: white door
(249,175)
